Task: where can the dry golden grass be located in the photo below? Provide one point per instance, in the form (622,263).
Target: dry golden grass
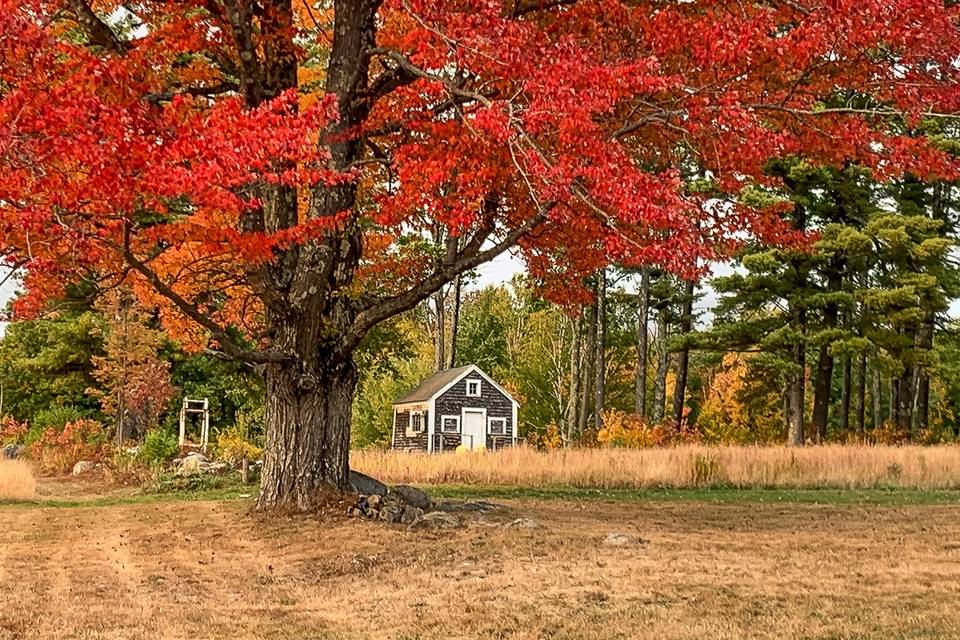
(833,466)
(755,571)
(16,480)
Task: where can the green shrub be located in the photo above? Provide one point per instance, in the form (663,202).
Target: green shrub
(55,417)
(242,440)
(158,447)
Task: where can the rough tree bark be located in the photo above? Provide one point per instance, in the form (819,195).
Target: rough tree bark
(683,355)
(573,403)
(439,327)
(861,410)
(643,346)
(824,383)
(600,347)
(454,323)
(587,369)
(663,364)
(925,343)
(877,396)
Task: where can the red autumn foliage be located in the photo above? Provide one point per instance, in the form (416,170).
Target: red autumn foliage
(280,178)
(591,111)
(12,431)
(56,452)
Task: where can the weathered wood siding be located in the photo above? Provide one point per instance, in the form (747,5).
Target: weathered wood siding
(452,401)
(401,440)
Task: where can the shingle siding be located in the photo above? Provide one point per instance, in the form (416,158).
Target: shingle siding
(401,440)
(452,401)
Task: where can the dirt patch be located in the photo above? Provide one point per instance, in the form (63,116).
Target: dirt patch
(210,570)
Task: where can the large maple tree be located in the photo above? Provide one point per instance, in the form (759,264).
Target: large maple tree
(278,177)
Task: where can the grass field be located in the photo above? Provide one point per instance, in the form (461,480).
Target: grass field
(704,570)
(831,466)
(807,559)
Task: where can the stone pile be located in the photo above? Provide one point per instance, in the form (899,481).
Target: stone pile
(195,463)
(401,504)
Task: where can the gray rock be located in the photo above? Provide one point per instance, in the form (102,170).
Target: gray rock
(365,485)
(411,496)
(391,512)
(12,451)
(479,506)
(436,520)
(525,523)
(84,466)
(191,465)
(410,514)
(621,540)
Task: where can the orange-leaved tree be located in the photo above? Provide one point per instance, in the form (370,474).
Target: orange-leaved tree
(278,177)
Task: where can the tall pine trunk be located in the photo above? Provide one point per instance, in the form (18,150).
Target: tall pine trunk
(861,412)
(571,422)
(877,395)
(663,364)
(845,392)
(643,346)
(824,384)
(439,330)
(600,379)
(925,343)
(683,356)
(454,323)
(587,369)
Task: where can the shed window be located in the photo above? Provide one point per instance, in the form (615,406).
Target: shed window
(416,421)
(450,424)
(498,426)
(473,388)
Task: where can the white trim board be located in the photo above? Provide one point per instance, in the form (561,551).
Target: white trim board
(474,369)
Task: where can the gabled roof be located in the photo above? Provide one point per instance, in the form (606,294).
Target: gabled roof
(439,382)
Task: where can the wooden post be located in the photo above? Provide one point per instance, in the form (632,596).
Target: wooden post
(183,422)
(244,470)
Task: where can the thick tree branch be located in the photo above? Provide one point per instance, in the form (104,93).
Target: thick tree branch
(230,347)
(521,8)
(98,31)
(382,308)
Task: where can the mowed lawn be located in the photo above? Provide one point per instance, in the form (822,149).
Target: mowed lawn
(750,569)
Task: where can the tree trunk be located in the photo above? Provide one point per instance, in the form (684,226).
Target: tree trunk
(663,364)
(308,434)
(795,394)
(600,373)
(925,342)
(824,384)
(575,374)
(309,398)
(643,346)
(586,369)
(439,330)
(845,395)
(861,393)
(893,411)
(877,396)
(454,323)
(683,356)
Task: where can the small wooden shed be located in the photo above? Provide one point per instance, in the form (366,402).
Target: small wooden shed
(461,406)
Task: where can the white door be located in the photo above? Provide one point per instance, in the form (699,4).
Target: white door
(473,427)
